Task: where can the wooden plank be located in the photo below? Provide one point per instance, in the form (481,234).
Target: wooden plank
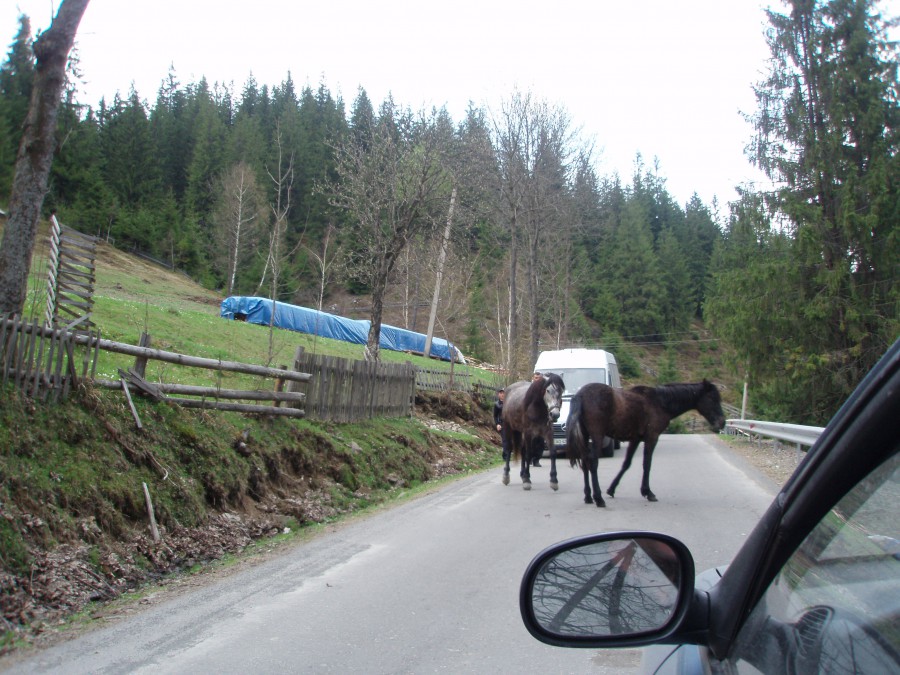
(134,412)
(52,354)
(58,385)
(141,384)
(64,307)
(38,367)
(96,354)
(29,362)
(66,268)
(140,363)
(71,378)
(75,235)
(75,256)
(75,286)
(215,392)
(237,407)
(86,244)
(21,348)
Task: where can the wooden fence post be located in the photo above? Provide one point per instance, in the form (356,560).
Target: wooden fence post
(140,363)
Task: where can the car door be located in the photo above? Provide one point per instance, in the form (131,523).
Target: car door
(834,606)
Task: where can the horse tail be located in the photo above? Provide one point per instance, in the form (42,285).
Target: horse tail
(576,445)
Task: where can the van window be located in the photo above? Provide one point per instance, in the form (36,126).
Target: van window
(576,378)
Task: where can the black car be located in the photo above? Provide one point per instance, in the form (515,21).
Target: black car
(815,588)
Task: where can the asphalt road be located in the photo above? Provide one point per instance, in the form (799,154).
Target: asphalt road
(428,586)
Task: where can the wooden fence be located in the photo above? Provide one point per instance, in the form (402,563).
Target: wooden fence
(48,362)
(344,390)
(42,362)
(70,286)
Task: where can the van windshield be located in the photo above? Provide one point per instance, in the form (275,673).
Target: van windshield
(576,378)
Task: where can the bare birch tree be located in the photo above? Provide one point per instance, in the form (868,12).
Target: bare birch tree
(238,217)
(326,260)
(35,155)
(283,180)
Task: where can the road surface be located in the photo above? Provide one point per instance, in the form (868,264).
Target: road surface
(429,586)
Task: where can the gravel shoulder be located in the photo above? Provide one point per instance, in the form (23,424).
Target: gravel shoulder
(772,460)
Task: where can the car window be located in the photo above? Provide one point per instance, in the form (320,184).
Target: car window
(835,605)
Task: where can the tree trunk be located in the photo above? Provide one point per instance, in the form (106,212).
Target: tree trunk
(373,342)
(440,273)
(35,154)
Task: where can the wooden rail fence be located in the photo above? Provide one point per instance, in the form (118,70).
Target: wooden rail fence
(46,362)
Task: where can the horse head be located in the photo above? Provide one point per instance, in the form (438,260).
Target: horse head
(710,405)
(553,392)
(544,398)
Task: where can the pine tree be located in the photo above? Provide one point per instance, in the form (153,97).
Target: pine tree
(16,81)
(828,133)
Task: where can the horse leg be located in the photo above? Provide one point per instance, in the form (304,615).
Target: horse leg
(595,483)
(525,472)
(506,454)
(554,483)
(629,454)
(649,446)
(587,482)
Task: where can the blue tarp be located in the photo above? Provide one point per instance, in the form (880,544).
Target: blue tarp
(305,320)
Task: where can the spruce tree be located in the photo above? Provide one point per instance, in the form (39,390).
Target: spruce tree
(828,134)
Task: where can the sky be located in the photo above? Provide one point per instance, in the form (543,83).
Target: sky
(669,80)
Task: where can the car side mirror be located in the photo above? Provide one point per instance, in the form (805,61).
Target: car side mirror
(613,589)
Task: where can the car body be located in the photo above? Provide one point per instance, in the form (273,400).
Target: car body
(577,367)
(815,587)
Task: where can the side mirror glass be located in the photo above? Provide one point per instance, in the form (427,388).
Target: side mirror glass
(606,588)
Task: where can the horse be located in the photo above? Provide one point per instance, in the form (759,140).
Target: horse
(529,411)
(634,415)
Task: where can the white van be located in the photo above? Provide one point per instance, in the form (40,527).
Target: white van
(577,367)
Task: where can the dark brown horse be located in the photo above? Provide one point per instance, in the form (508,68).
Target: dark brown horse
(634,415)
(529,411)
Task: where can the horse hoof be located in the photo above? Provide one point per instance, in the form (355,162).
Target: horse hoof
(651,497)
(506,479)
(587,500)
(554,485)
(611,493)
(600,503)
(526,486)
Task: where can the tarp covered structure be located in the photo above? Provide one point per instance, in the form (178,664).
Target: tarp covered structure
(304,320)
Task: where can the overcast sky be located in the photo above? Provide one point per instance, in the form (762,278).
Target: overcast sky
(667,79)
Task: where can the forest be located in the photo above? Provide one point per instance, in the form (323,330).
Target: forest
(374,210)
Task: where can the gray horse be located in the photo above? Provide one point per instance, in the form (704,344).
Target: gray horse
(529,411)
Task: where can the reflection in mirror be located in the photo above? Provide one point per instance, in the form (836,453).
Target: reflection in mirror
(611,588)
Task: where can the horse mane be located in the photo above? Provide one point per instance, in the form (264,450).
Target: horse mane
(535,393)
(680,396)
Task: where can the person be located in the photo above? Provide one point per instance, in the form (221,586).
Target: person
(498,421)
(538,442)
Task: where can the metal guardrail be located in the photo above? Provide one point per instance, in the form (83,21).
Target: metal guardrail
(792,433)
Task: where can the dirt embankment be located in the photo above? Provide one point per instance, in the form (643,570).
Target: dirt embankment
(86,564)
